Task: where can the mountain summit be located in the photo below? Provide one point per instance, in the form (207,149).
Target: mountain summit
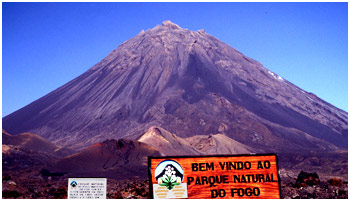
(189,83)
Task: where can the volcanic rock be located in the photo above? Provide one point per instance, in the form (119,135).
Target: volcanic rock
(307,179)
(335,182)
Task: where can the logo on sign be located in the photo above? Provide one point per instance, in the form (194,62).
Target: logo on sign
(169,175)
(73,184)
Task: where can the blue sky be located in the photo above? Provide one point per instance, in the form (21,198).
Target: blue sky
(45,45)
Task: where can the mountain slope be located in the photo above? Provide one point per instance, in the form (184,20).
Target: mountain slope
(34,142)
(189,83)
(118,159)
(218,144)
(15,158)
(171,145)
(166,143)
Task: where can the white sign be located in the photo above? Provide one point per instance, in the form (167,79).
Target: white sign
(87,188)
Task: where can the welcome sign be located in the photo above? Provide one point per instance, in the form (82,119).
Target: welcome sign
(209,177)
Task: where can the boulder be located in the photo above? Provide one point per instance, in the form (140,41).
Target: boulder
(307,179)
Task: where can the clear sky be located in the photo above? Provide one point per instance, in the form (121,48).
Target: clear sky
(45,45)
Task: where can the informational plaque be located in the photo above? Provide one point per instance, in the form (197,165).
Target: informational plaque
(214,177)
(87,188)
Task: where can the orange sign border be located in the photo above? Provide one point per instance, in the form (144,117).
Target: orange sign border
(151,196)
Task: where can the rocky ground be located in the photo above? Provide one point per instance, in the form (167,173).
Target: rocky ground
(24,176)
(40,189)
(310,186)
(31,184)
(15,185)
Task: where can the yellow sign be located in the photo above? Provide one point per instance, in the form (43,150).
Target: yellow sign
(208,177)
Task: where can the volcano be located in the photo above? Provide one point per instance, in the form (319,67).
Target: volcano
(188,83)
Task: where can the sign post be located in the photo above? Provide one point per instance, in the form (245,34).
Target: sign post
(209,177)
(87,188)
